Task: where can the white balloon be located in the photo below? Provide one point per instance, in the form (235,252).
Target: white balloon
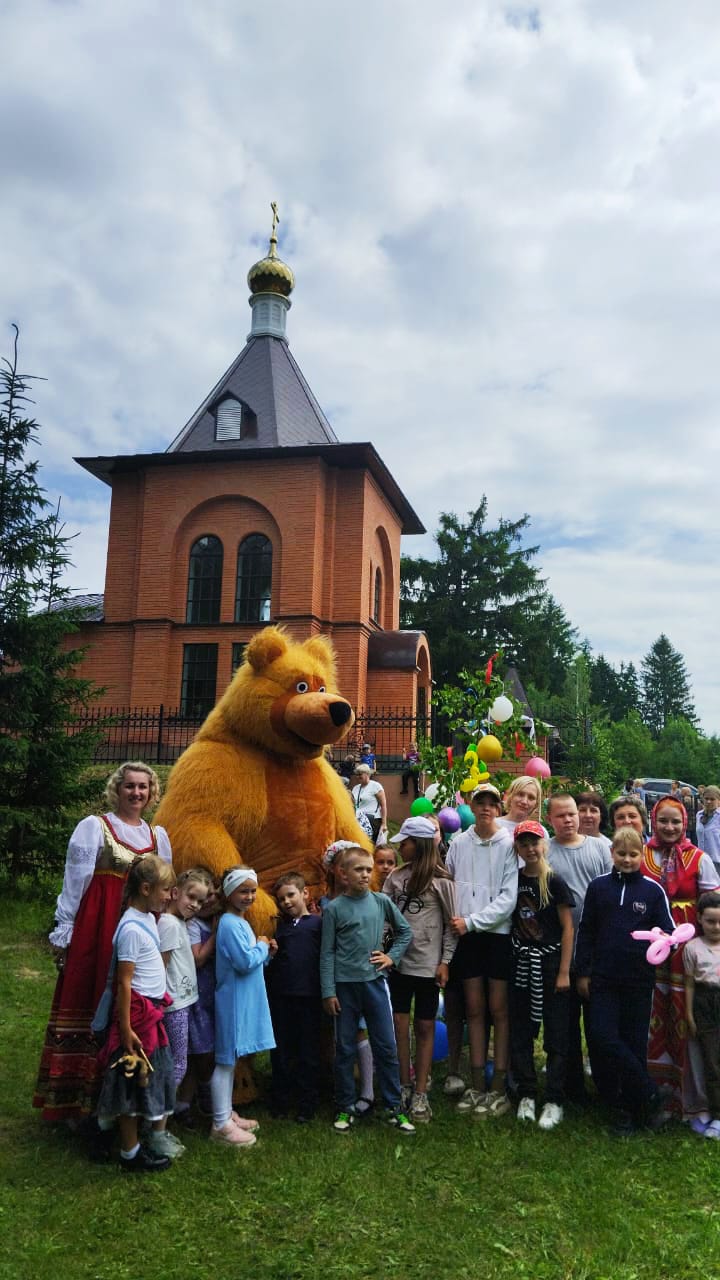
(501,709)
(431,792)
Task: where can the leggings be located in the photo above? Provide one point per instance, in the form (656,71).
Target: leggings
(221,1092)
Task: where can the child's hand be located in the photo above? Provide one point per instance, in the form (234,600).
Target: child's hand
(132,1043)
(331,1005)
(263,938)
(380,960)
(442,973)
(583,988)
(562,982)
(458,925)
(273,947)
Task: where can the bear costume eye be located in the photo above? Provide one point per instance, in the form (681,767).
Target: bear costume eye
(302,686)
(321,689)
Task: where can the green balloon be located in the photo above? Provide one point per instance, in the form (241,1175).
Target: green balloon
(420,806)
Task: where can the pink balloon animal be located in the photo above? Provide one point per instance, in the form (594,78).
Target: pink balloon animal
(660,943)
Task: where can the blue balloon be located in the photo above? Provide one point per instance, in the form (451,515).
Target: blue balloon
(466,816)
(440,1047)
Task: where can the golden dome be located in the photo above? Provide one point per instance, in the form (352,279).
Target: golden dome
(271,274)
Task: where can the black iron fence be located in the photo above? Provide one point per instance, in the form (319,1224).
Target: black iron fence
(160,734)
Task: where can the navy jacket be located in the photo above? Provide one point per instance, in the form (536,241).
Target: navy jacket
(615,905)
(295,970)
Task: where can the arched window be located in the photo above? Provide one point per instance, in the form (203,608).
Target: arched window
(205,580)
(254,579)
(377,597)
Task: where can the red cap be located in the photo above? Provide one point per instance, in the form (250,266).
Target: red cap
(529,829)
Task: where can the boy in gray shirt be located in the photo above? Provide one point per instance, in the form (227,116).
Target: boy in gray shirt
(578,860)
(352,983)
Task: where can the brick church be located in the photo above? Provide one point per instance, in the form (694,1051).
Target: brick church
(255,513)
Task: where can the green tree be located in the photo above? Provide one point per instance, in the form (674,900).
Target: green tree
(665,686)
(483,592)
(615,690)
(42,753)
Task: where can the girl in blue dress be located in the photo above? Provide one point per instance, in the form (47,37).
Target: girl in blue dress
(242,1014)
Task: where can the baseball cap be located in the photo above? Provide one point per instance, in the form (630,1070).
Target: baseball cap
(486,788)
(529,828)
(416,829)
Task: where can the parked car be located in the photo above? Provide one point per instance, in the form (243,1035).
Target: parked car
(656,788)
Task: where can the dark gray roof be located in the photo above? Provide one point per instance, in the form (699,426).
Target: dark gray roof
(517,689)
(267,379)
(92,605)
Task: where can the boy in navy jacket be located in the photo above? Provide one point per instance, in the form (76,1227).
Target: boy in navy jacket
(614,975)
(293,984)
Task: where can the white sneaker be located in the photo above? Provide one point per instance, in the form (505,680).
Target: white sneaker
(420,1111)
(453,1086)
(526,1109)
(470,1100)
(550,1116)
(494,1103)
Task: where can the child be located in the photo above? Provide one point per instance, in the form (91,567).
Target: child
(242,1015)
(201,1018)
(293,982)
(542,945)
(701,960)
(352,983)
(423,891)
(385,859)
(138,1025)
(186,899)
(613,973)
(484,867)
(577,859)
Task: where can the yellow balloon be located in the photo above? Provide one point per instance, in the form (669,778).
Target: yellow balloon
(470,757)
(468,785)
(490,748)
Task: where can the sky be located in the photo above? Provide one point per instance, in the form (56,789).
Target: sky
(504,225)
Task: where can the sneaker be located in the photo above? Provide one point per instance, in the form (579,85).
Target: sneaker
(232,1135)
(550,1116)
(526,1109)
(470,1100)
(699,1126)
(420,1112)
(453,1086)
(713,1130)
(493,1104)
(250,1126)
(406,1095)
(400,1121)
(343,1121)
(145,1161)
(163,1143)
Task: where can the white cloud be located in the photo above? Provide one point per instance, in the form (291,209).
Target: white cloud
(504,225)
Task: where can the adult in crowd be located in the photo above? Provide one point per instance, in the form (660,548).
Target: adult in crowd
(592,815)
(708,825)
(522,803)
(369,798)
(684,872)
(99,856)
(628,811)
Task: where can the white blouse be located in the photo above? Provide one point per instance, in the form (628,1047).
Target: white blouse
(86,842)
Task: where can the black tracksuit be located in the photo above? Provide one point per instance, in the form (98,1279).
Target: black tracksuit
(621,983)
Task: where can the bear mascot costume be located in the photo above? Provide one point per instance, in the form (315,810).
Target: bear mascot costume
(254,786)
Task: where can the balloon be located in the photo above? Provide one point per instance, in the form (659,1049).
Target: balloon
(536,767)
(501,709)
(489,748)
(467,786)
(471,756)
(440,1043)
(431,792)
(448,819)
(466,816)
(472,746)
(660,943)
(484,776)
(420,806)
(449,753)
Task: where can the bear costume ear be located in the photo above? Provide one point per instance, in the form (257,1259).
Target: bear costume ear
(265,647)
(322,651)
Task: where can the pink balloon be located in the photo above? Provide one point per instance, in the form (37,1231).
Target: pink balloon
(536,767)
(661,943)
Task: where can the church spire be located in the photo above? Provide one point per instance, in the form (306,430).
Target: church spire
(271,282)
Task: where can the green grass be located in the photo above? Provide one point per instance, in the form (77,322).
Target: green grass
(460,1199)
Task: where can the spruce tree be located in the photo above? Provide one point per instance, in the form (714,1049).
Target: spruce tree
(665,687)
(42,752)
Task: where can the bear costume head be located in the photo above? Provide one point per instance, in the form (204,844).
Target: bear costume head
(255,787)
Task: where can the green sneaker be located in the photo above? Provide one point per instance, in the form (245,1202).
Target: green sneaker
(400,1121)
(343,1121)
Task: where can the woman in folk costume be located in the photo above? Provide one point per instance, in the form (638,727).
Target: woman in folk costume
(99,856)
(684,873)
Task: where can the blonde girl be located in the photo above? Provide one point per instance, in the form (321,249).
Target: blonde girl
(523,803)
(425,894)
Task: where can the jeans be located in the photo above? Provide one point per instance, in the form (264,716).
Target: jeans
(556,1005)
(575,1089)
(371,1001)
(618,1024)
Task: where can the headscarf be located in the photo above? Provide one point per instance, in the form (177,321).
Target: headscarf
(671,865)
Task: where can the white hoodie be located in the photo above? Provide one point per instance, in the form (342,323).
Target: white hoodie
(486,879)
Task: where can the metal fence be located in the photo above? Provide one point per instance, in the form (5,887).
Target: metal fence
(160,734)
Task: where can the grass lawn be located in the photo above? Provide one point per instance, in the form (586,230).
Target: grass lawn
(461,1199)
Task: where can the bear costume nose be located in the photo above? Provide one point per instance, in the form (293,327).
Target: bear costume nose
(340,712)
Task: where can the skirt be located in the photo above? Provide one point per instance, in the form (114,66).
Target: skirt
(122,1097)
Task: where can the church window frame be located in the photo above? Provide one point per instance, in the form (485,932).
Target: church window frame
(204,589)
(253,583)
